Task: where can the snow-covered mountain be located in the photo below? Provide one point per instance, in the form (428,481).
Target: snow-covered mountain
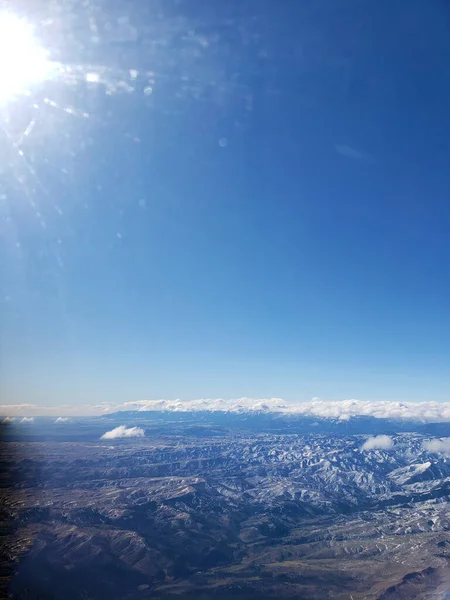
(211,512)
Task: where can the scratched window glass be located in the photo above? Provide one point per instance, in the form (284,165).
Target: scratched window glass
(224,283)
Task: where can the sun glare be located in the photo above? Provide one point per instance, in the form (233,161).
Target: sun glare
(22,61)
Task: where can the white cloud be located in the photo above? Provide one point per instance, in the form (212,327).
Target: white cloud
(441,446)
(34,410)
(105,407)
(62,420)
(16,409)
(353,153)
(349,152)
(9,420)
(210,404)
(424,412)
(378,442)
(16,406)
(123,432)
(27,420)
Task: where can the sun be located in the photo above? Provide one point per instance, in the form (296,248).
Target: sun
(23,62)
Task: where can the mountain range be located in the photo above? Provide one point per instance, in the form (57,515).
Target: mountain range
(201,504)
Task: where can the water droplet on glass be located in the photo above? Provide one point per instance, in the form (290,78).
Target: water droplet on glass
(223,142)
(148,91)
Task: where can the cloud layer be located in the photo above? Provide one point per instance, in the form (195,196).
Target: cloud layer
(210,404)
(123,432)
(378,442)
(439,446)
(425,412)
(16,406)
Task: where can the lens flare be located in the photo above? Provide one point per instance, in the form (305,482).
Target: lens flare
(23,62)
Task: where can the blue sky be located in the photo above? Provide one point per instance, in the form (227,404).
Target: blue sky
(271,220)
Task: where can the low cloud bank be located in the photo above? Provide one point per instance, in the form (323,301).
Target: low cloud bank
(438,446)
(123,432)
(344,410)
(16,406)
(64,410)
(210,404)
(378,442)
(425,412)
